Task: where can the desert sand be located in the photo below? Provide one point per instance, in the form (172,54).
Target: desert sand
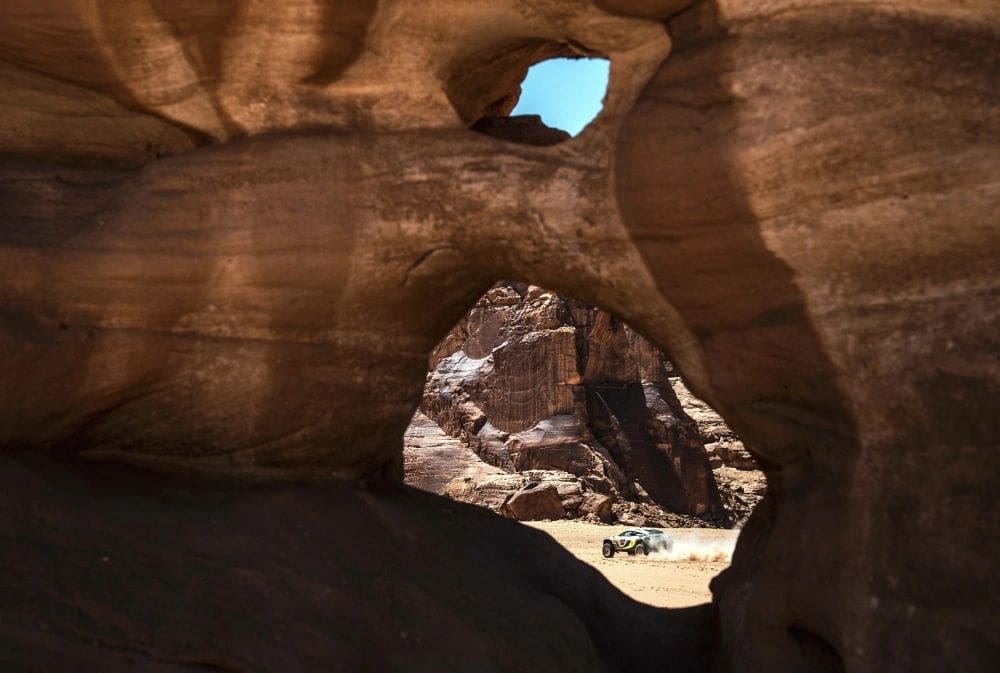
(673,580)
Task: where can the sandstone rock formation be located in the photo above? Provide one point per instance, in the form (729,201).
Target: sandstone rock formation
(432,458)
(439,463)
(832,166)
(534,502)
(232,233)
(109,569)
(742,484)
(535,382)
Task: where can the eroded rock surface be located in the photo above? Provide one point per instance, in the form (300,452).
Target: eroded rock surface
(231,235)
(532,381)
(833,166)
(742,484)
(433,458)
(109,569)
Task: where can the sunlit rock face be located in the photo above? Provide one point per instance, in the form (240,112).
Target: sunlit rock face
(533,381)
(232,234)
(259,302)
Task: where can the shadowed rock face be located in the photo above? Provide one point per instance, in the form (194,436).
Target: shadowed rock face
(836,192)
(797,205)
(109,569)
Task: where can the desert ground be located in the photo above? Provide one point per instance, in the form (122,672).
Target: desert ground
(673,580)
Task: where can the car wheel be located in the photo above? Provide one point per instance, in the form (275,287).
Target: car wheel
(607,550)
(640,549)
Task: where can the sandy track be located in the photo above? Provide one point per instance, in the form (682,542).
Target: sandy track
(675,580)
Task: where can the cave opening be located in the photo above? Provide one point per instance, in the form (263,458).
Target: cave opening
(556,100)
(555,413)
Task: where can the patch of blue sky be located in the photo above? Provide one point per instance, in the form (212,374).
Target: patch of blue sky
(567,92)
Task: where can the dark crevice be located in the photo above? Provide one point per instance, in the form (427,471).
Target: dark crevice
(522,129)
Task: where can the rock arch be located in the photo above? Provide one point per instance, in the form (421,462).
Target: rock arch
(803,193)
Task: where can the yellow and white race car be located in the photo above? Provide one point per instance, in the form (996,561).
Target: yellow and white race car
(637,542)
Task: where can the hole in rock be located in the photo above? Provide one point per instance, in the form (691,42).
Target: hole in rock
(558,98)
(567,93)
(548,410)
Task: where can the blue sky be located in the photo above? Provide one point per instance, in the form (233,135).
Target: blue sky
(566,92)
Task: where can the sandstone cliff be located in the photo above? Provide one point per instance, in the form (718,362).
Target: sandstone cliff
(742,484)
(555,390)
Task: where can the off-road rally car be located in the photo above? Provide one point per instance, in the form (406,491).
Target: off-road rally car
(637,542)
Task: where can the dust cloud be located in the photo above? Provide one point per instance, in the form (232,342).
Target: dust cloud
(691,547)
(675,579)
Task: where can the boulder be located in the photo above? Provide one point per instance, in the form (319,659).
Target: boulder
(735,455)
(534,502)
(597,505)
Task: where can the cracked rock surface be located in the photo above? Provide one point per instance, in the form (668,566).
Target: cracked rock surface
(531,381)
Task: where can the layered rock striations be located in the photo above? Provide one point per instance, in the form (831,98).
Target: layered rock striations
(231,233)
(231,237)
(742,484)
(535,382)
(832,166)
